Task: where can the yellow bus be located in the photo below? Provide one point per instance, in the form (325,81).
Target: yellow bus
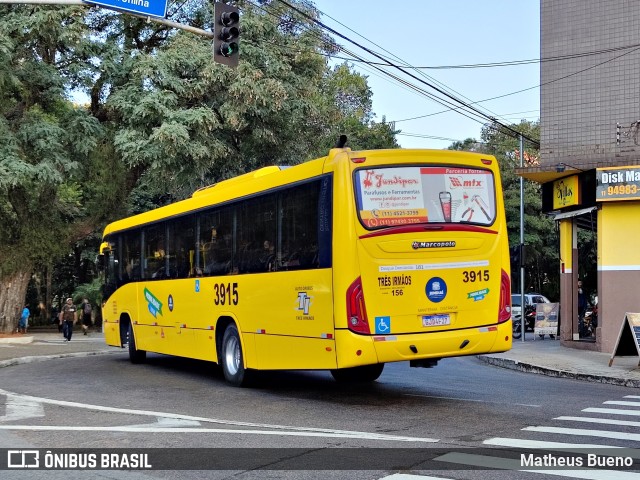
(342,263)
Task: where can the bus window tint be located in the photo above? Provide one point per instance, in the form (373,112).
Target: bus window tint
(181,247)
(257,222)
(131,268)
(215,242)
(154,252)
(299,233)
(392,196)
(112,266)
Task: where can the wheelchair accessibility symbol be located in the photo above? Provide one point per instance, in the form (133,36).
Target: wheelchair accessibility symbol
(383,325)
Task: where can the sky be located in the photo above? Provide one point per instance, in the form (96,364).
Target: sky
(428,33)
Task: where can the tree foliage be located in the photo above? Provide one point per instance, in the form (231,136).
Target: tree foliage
(540,235)
(161,118)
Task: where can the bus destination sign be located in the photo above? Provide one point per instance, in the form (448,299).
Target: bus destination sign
(617,183)
(152,8)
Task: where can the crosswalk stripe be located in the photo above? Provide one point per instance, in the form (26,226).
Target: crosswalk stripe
(622,403)
(613,411)
(632,396)
(510,464)
(545,445)
(607,421)
(586,433)
(406,476)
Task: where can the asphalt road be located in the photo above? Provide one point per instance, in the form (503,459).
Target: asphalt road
(462,411)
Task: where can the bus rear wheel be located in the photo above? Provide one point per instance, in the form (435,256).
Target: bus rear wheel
(135,355)
(365,373)
(232,359)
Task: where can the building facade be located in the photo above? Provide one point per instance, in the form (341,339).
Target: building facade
(590,160)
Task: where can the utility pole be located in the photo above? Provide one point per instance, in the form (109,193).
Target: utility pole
(521,246)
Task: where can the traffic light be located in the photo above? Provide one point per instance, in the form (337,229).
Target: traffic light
(226,34)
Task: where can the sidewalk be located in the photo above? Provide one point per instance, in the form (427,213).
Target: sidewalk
(539,356)
(548,357)
(48,344)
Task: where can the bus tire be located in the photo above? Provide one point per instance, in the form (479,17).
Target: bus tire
(135,355)
(363,374)
(232,359)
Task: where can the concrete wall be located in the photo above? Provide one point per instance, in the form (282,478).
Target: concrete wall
(579,113)
(618,268)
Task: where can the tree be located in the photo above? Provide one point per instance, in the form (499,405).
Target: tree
(160,113)
(540,236)
(45,142)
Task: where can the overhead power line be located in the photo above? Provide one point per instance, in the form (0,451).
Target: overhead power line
(430,85)
(510,63)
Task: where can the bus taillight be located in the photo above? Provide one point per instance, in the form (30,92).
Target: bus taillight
(504,313)
(356,311)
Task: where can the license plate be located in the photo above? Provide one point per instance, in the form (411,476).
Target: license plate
(436,320)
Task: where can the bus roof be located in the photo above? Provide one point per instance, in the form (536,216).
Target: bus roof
(273,176)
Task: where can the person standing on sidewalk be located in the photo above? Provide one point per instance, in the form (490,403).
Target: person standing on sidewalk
(70,317)
(24,320)
(86,315)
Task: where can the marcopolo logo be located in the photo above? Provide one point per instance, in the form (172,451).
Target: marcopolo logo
(436,289)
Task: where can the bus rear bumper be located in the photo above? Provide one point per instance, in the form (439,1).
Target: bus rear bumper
(417,346)
(454,343)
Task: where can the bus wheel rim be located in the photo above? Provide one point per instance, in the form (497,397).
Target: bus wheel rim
(232,356)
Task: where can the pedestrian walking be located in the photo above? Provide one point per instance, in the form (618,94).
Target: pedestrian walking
(70,317)
(86,316)
(23,324)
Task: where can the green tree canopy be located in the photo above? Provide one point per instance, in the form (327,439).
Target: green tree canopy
(161,118)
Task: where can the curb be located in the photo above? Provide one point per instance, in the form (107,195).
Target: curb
(42,358)
(530,368)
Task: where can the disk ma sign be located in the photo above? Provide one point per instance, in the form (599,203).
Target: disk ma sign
(153,8)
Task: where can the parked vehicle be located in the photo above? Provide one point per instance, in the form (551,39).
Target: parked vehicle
(531,300)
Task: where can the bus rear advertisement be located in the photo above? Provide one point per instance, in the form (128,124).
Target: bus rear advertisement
(343,263)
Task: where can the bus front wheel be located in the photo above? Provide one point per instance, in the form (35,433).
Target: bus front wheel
(365,373)
(135,355)
(232,359)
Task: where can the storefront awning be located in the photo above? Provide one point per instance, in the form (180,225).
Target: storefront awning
(573,213)
(547,173)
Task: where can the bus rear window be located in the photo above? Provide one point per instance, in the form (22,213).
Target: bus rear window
(391,196)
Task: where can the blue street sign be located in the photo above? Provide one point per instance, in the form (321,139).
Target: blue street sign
(153,8)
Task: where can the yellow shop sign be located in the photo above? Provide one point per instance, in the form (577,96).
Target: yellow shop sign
(566,192)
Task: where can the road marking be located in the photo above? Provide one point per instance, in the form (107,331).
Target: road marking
(18,408)
(169,423)
(511,464)
(467,399)
(620,402)
(607,421)
(586,433)
(613,411)
(304,430)
(632,396)
(406,476)
(545,445)
(129,429)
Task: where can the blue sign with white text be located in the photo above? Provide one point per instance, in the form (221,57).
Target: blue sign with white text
(153,8)
(436,289)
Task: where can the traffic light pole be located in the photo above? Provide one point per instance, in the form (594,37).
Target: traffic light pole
(148,18)
(522,304)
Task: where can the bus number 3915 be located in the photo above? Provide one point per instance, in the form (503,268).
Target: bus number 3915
(226,293)
(479,276)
